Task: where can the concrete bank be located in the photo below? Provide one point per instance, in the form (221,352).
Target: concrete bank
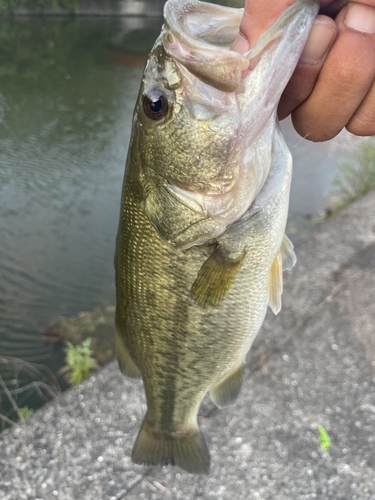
(312,365)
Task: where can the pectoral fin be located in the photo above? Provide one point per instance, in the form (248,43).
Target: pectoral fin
(284,260)
(218,273)
(215,278)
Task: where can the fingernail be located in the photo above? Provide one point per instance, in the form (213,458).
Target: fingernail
(240,44)
(360,18)
(319,42)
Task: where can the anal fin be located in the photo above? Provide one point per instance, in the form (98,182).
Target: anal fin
(126,364)
(227,390)
(187,450)
(215,278)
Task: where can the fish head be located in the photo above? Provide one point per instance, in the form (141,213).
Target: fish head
(187,129)
(204,122)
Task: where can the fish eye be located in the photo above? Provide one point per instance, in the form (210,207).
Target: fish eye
(155,105)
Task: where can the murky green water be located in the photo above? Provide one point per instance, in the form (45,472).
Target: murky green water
(67,91)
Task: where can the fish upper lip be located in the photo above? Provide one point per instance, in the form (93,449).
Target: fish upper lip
(200,57)
(189,47)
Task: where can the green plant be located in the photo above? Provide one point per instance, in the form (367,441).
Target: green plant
(355,180)
(320,217)
(25,411)
(79,361)
(324,439)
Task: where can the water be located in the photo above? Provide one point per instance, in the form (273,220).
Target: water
(67,91)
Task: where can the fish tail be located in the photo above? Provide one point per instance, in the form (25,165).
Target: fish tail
(189,451)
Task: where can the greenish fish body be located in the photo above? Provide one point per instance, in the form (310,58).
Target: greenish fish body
(201,245)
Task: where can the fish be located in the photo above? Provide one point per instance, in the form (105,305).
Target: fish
(201,246)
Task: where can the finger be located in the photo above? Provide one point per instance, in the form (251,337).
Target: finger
(300,86)
(332,8)
(363,121)
(344,79)
(257,18)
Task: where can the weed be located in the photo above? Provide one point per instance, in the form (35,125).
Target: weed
(98,325)
(320,217)
(324,439)
(355,180)
(79,361)
(26,411)
(19,381)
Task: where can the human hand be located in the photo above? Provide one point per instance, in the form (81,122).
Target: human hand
(333,85)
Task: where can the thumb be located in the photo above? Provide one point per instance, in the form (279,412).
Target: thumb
(257,18)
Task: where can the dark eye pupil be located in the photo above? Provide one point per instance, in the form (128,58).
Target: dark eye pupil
(155,105)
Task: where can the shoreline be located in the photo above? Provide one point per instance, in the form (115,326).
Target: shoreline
(120,8)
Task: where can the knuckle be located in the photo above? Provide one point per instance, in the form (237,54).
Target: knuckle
(362,124)
(351,61)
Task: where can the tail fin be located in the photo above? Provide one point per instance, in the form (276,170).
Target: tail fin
(188,451)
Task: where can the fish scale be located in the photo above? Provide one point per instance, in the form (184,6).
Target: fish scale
(201,244)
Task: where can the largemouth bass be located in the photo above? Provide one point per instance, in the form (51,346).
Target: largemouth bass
(201,245)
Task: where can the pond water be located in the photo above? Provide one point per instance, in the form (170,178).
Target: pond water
(67,91)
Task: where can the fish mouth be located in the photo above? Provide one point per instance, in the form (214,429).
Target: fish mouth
(199,36)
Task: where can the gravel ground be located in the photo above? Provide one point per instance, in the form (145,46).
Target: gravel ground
(313,365)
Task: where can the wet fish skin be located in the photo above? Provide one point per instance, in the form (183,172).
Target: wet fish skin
(200,245)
